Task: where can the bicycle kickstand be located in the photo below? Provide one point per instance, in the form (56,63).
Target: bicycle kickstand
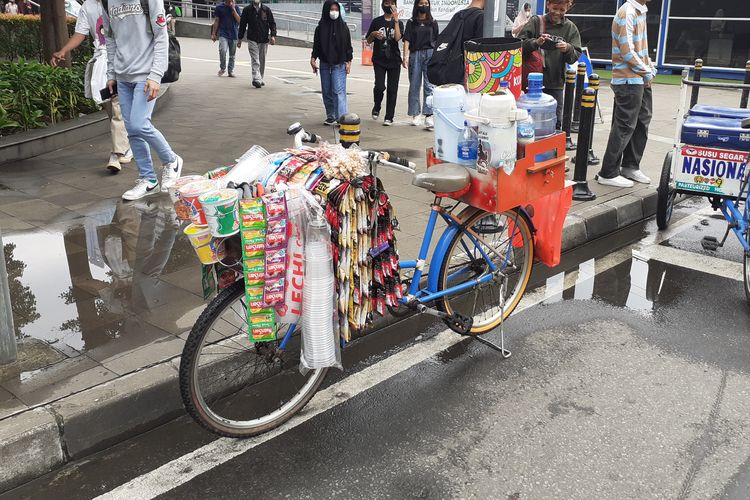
(505,353)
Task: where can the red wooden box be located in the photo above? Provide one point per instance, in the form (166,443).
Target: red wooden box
(497,191)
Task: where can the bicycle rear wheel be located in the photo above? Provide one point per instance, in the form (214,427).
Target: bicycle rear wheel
(237,388)
(509,235)
(746,270)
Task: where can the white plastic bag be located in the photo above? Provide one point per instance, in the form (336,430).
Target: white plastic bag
(96,76)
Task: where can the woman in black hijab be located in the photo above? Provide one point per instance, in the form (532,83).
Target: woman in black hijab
(333,46)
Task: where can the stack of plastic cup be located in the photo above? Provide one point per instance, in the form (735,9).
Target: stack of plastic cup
(318,301)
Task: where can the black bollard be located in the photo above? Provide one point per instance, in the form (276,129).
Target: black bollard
(581,79)
(581,191)
(745,92)
(349,129)
(593,84)
(570,87)
(696,78)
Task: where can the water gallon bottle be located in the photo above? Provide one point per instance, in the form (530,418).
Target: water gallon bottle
(541,107)
(467,146)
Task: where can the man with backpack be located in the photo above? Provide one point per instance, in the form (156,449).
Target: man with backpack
(137,58)
(559,43)
(447,62)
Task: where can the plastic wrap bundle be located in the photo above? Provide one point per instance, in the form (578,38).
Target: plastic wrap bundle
(320,344)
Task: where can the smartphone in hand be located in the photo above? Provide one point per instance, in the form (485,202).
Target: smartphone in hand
(106,94)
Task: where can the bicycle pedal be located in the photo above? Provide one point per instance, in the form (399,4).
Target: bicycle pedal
(459,323)
(710,243)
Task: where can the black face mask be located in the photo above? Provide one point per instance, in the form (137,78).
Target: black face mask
(423,9)
(386,9)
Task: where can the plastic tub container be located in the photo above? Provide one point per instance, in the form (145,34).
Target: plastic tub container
(181,209)
(209,250)
(221,210)
(190,193)
(448,105)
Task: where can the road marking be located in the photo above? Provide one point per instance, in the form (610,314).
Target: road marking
(694,261)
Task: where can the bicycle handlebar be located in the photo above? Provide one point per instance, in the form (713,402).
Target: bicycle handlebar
(381,158)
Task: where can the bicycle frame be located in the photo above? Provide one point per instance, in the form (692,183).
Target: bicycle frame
(739,222)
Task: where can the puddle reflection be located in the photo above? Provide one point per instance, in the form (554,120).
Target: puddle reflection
(81,285)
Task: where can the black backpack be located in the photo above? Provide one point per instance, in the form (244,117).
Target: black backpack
(447,62)
(174,64)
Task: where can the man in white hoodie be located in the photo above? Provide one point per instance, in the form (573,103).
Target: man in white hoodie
(90,22)
(137,57)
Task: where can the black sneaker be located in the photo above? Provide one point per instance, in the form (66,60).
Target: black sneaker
(375,114)
(256,84)
(329,122)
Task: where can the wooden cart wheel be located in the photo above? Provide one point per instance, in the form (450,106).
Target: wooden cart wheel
(665,194)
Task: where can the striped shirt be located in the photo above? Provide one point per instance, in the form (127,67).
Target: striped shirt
(630,61)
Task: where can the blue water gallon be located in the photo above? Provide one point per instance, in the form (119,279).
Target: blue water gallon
(541,107)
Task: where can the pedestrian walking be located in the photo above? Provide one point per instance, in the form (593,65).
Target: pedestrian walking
(447,64)
(257,19)
(567,48)
(137,57)
(523,17)
(89,22)
(225,29)
(385,32)
(332,46)
(632,75)
(420,37)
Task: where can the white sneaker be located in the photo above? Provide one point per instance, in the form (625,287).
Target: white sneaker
(618,181)
(113,165)
(170,173)
(127,157)
(416,120)
(143,187)
(636,175)
(429,122)
(387,123)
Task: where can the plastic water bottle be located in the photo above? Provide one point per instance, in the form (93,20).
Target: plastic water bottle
(541,107)
(467,146)
(526,131)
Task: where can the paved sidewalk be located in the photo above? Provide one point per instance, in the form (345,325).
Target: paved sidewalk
(105,292)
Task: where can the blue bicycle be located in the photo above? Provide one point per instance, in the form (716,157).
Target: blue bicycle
(476,277)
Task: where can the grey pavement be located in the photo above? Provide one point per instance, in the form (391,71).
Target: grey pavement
(105,292)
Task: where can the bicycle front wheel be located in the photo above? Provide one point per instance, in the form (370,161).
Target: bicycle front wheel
(237,388)
(509,235)
(746,270)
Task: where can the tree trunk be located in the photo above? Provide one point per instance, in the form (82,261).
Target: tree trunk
(54,28)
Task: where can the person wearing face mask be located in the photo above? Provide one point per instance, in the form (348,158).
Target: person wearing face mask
(420,36)
(258,20)
(566,51)
(332,46)
(385,33)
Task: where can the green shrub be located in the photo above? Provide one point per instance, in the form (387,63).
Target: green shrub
(34,95)
(21,37)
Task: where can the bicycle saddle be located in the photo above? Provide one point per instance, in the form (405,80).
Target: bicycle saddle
(443,178)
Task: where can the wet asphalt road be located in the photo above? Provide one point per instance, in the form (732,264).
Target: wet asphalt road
(629,379)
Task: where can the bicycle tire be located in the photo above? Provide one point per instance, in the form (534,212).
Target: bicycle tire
(665,194)
(191,367)
(449,304)
(746,270)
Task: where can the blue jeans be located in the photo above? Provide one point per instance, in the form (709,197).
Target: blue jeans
(136,111)
(418,78)
(227,45)
(333,87)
